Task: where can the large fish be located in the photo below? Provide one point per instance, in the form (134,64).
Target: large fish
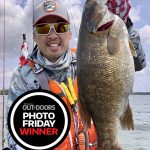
(105,71)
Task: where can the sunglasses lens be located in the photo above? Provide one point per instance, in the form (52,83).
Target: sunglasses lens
(45,28)
(61,27)
(42,28)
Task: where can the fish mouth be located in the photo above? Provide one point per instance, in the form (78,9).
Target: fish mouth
(98,18)
(105,26)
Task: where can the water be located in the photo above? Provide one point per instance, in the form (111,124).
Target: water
(130,140)
(140,137)
(5,132)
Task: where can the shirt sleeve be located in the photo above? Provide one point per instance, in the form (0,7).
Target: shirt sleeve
(17,87)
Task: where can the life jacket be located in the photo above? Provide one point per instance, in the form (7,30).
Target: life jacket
(78,138)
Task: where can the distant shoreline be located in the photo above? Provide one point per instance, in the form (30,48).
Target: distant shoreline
(140,93)
(5,92)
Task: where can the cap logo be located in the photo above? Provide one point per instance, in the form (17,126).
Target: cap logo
(49,6)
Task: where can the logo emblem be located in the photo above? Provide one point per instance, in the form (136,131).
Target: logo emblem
(39,120)
(49,6)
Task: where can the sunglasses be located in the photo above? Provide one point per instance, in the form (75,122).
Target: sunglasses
(45,28)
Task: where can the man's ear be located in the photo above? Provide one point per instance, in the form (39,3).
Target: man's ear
(70,35)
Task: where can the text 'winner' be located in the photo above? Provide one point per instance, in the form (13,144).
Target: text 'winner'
(38,123)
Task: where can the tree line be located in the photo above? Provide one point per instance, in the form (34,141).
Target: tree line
(4,91)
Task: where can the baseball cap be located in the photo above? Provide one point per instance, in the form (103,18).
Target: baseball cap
(50,8)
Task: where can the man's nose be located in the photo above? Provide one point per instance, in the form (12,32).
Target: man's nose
(52,34)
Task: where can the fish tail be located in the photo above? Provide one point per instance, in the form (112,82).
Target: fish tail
(127,120)
(85,117)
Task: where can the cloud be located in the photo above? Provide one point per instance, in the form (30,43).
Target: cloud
(10,66)
(145,34)
(8,75)
(142,79)
(17,22)
(74,9)
(135,14)
(22,3)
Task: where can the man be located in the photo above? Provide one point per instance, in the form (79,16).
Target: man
(54,59)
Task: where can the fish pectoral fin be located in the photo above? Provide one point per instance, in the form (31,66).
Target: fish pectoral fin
(113,42)
(85,117)
(126,120)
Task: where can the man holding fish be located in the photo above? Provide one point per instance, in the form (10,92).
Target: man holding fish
(105,71)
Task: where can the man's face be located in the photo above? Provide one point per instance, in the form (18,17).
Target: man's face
(53,45)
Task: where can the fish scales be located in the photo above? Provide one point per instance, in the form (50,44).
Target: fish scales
(105,72)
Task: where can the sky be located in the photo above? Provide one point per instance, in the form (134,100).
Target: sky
(19,21)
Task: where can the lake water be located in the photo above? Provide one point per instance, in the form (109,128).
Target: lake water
(139,139)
